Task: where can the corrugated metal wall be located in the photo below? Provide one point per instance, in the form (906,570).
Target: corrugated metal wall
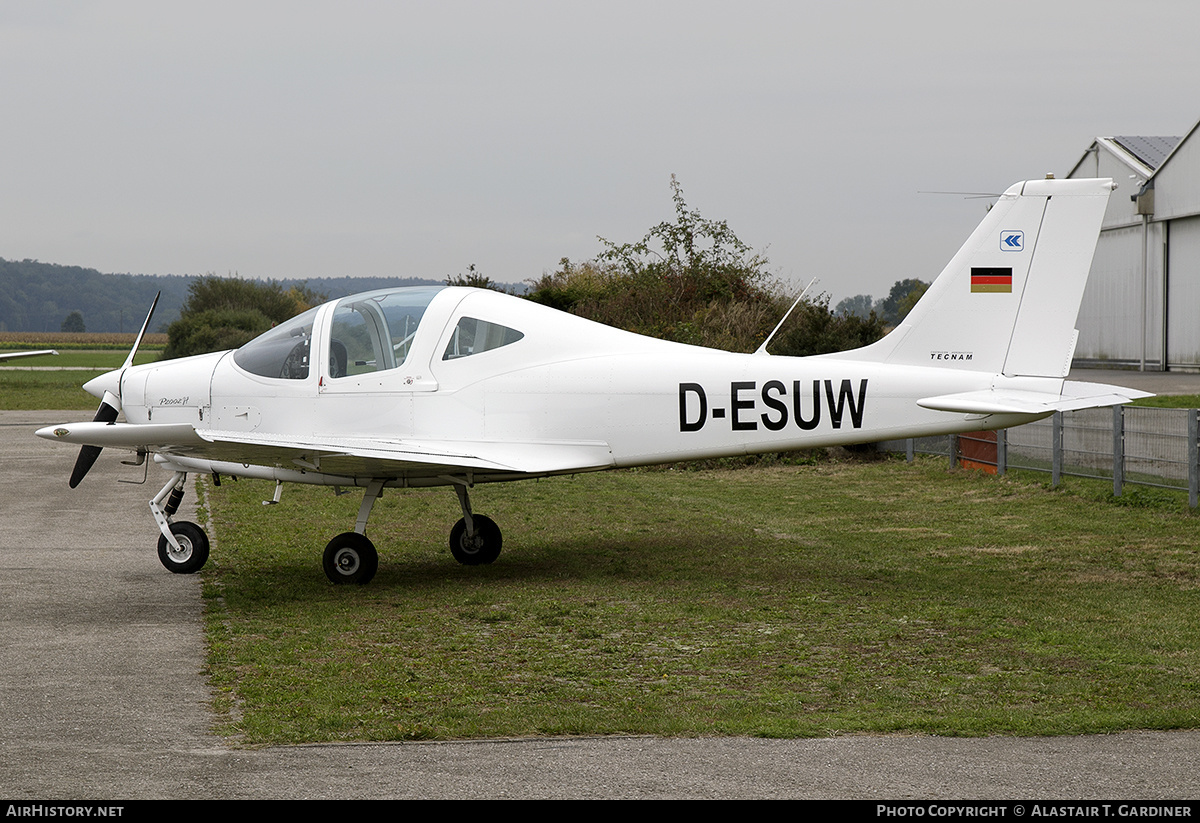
(1110,327)
(1183,294)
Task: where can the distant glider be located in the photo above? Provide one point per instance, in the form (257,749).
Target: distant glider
(13,355)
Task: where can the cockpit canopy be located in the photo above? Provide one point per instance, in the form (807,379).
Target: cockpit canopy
(368,332)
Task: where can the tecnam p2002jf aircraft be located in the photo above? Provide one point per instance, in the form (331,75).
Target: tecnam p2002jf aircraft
(456,386)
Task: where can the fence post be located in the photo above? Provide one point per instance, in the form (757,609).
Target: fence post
(1001,451)
(1193,457)
(1118,449)
(910,448)
(1056,448)
(954,451)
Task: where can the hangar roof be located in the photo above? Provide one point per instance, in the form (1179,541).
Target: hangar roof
(1151,151)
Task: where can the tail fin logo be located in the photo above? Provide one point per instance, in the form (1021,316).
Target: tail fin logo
(1012,241)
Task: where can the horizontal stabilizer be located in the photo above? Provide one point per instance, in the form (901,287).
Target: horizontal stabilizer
(1074,396)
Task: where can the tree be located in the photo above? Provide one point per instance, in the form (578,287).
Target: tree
(74,323)
(909,300)
(692,280)
(860,305)
(226,312)
(900,300)
(573,284)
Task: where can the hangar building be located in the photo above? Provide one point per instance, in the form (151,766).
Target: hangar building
(1141,307)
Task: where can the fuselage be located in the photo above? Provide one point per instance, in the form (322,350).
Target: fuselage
(558,380)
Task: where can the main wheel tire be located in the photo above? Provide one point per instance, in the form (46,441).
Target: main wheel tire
(192,553)
(350,558)
(482,548)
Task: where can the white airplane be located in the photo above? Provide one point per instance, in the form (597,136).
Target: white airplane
(13,355)
(449,386)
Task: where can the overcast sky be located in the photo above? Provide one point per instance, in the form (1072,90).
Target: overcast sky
(309,139)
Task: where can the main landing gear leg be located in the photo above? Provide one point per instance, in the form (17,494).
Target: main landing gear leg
(183,546)
(351,557)
(475,540)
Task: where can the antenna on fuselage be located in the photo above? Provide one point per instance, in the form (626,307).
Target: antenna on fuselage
(763,348)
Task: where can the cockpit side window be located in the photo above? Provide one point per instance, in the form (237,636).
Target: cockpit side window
(357,345)
(472,336)
(283,352)
(375,331)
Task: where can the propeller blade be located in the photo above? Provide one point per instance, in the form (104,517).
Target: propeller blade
(83,464)
(107,413)
(138,341)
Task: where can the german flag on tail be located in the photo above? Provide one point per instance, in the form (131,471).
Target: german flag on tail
(995,280)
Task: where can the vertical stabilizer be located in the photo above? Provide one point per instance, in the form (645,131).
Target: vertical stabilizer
(1007,302)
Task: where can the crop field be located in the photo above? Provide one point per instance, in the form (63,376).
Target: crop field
(116,341)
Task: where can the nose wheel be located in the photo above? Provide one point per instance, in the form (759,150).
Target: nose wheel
(191,552)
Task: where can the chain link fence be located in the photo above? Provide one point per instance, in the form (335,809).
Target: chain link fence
(1127,444)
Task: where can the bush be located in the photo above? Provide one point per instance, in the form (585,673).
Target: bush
(813,329)
(224,313)
(214,330)
(694,281)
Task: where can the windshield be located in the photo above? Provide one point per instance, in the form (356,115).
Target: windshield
(282,352)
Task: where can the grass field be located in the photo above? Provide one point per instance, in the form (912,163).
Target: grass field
(776,601)
(39,383)
(799,600)
(22,389)
(1170,401)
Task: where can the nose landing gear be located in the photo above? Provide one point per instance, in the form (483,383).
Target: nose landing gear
(183,546)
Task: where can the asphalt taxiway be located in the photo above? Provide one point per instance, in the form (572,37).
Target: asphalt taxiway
(103,697)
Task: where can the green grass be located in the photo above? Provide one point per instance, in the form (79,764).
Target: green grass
(86,358)
(89,358)
(1170,401)
(778,601)
(50,388)
(31,390)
